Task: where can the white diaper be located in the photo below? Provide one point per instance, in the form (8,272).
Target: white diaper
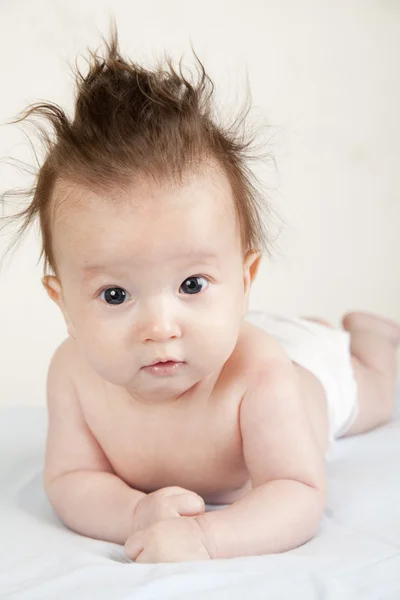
(323,351)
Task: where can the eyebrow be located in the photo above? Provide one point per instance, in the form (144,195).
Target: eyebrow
(187,256)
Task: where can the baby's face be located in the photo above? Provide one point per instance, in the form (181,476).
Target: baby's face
(155,273)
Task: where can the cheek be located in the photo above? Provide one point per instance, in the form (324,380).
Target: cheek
(224,309)
(218,333)
(105,347)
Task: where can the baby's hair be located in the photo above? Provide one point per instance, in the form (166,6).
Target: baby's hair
(131,122)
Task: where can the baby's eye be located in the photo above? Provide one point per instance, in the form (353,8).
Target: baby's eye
(114,295)
(192,285)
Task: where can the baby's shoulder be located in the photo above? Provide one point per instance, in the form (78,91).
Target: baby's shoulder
(258,360)
(67,362)
(70,375)
(65,356)
(256,350)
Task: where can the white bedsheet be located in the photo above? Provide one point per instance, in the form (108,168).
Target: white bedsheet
(356,553)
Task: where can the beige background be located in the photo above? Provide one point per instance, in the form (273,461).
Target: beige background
(324,75)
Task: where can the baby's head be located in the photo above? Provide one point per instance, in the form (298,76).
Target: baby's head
(151,225)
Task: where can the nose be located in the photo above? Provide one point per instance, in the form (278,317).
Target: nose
(156,321)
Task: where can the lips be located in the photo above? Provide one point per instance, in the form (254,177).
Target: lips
(163,361)
(163,368)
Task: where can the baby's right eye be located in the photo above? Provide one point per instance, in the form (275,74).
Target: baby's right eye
(114,295)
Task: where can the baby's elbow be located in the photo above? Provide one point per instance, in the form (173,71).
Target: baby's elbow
(52,490)
(57,490)
(50,480)
(318,497)
(308,524)
(317,505)
(321,492)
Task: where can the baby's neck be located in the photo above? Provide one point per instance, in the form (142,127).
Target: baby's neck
(198,393)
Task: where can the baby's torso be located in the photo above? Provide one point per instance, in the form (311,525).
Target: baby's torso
(198,446)
(196,449)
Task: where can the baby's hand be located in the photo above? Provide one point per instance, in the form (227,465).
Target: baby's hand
(166,503)
(173,540)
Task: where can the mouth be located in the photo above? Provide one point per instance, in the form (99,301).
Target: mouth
(163,361)
(164,367)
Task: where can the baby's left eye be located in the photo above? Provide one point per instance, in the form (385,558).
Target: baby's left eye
(114,295)
(192,285)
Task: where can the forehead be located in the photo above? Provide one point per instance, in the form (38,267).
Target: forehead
(145,222)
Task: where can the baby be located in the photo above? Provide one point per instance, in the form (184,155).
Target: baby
(167,394)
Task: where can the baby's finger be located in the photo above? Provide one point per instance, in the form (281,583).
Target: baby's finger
(172,490)
(134,545)
(188,504)
(147,557)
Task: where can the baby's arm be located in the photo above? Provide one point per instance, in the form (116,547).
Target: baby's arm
(286,467)
(79,480)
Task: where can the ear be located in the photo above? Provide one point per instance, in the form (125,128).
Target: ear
(54,290)
(251,264)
